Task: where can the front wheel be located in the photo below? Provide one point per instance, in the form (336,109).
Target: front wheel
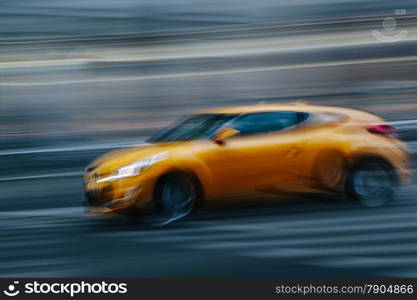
(372,183)
(175,197)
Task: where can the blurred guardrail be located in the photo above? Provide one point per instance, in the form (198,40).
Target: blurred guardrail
(407,129)
(85,46)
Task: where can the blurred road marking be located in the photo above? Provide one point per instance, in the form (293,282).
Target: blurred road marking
(328,251)
(212,73)
(72,148)
(322,227)
(360,262)
(401,272)
(42,63)
(404,122)
(52,175)
(43,212)
(225,240)
(37,262)
(412,147)
(308,241)
(254,230)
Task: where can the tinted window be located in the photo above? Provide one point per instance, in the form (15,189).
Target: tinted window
(191,128)
(262,123)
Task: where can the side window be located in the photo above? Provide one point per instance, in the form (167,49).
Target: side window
(267,122)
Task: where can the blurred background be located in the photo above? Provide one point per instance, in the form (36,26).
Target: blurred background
(83,77)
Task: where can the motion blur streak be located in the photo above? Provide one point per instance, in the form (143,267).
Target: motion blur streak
(80,78)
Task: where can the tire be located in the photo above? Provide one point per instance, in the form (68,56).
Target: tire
(371,182)
(175,197)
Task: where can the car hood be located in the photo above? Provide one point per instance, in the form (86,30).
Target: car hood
(122,157)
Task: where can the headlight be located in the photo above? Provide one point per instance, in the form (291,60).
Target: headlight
(133,169)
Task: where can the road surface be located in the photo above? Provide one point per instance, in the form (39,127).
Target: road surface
(45,232)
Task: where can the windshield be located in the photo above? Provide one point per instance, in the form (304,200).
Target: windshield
(192,128)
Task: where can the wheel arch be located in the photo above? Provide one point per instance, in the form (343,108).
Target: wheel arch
(190,175)
(359,158)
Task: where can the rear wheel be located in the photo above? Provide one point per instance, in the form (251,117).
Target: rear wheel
(371,182)
(175,197)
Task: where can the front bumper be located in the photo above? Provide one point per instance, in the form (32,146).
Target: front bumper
(122,196)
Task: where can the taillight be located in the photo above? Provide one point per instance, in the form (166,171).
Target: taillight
(384,129)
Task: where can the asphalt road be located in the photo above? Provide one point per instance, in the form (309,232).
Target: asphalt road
(45,232)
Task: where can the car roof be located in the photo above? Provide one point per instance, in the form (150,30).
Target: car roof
(297,106)
(253,108)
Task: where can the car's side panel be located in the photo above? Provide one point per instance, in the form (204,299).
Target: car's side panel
(256,166)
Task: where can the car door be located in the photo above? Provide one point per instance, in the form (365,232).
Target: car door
(262,161)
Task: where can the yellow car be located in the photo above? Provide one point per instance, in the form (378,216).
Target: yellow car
(252,153)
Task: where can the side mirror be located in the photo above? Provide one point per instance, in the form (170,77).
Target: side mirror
(223,134)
